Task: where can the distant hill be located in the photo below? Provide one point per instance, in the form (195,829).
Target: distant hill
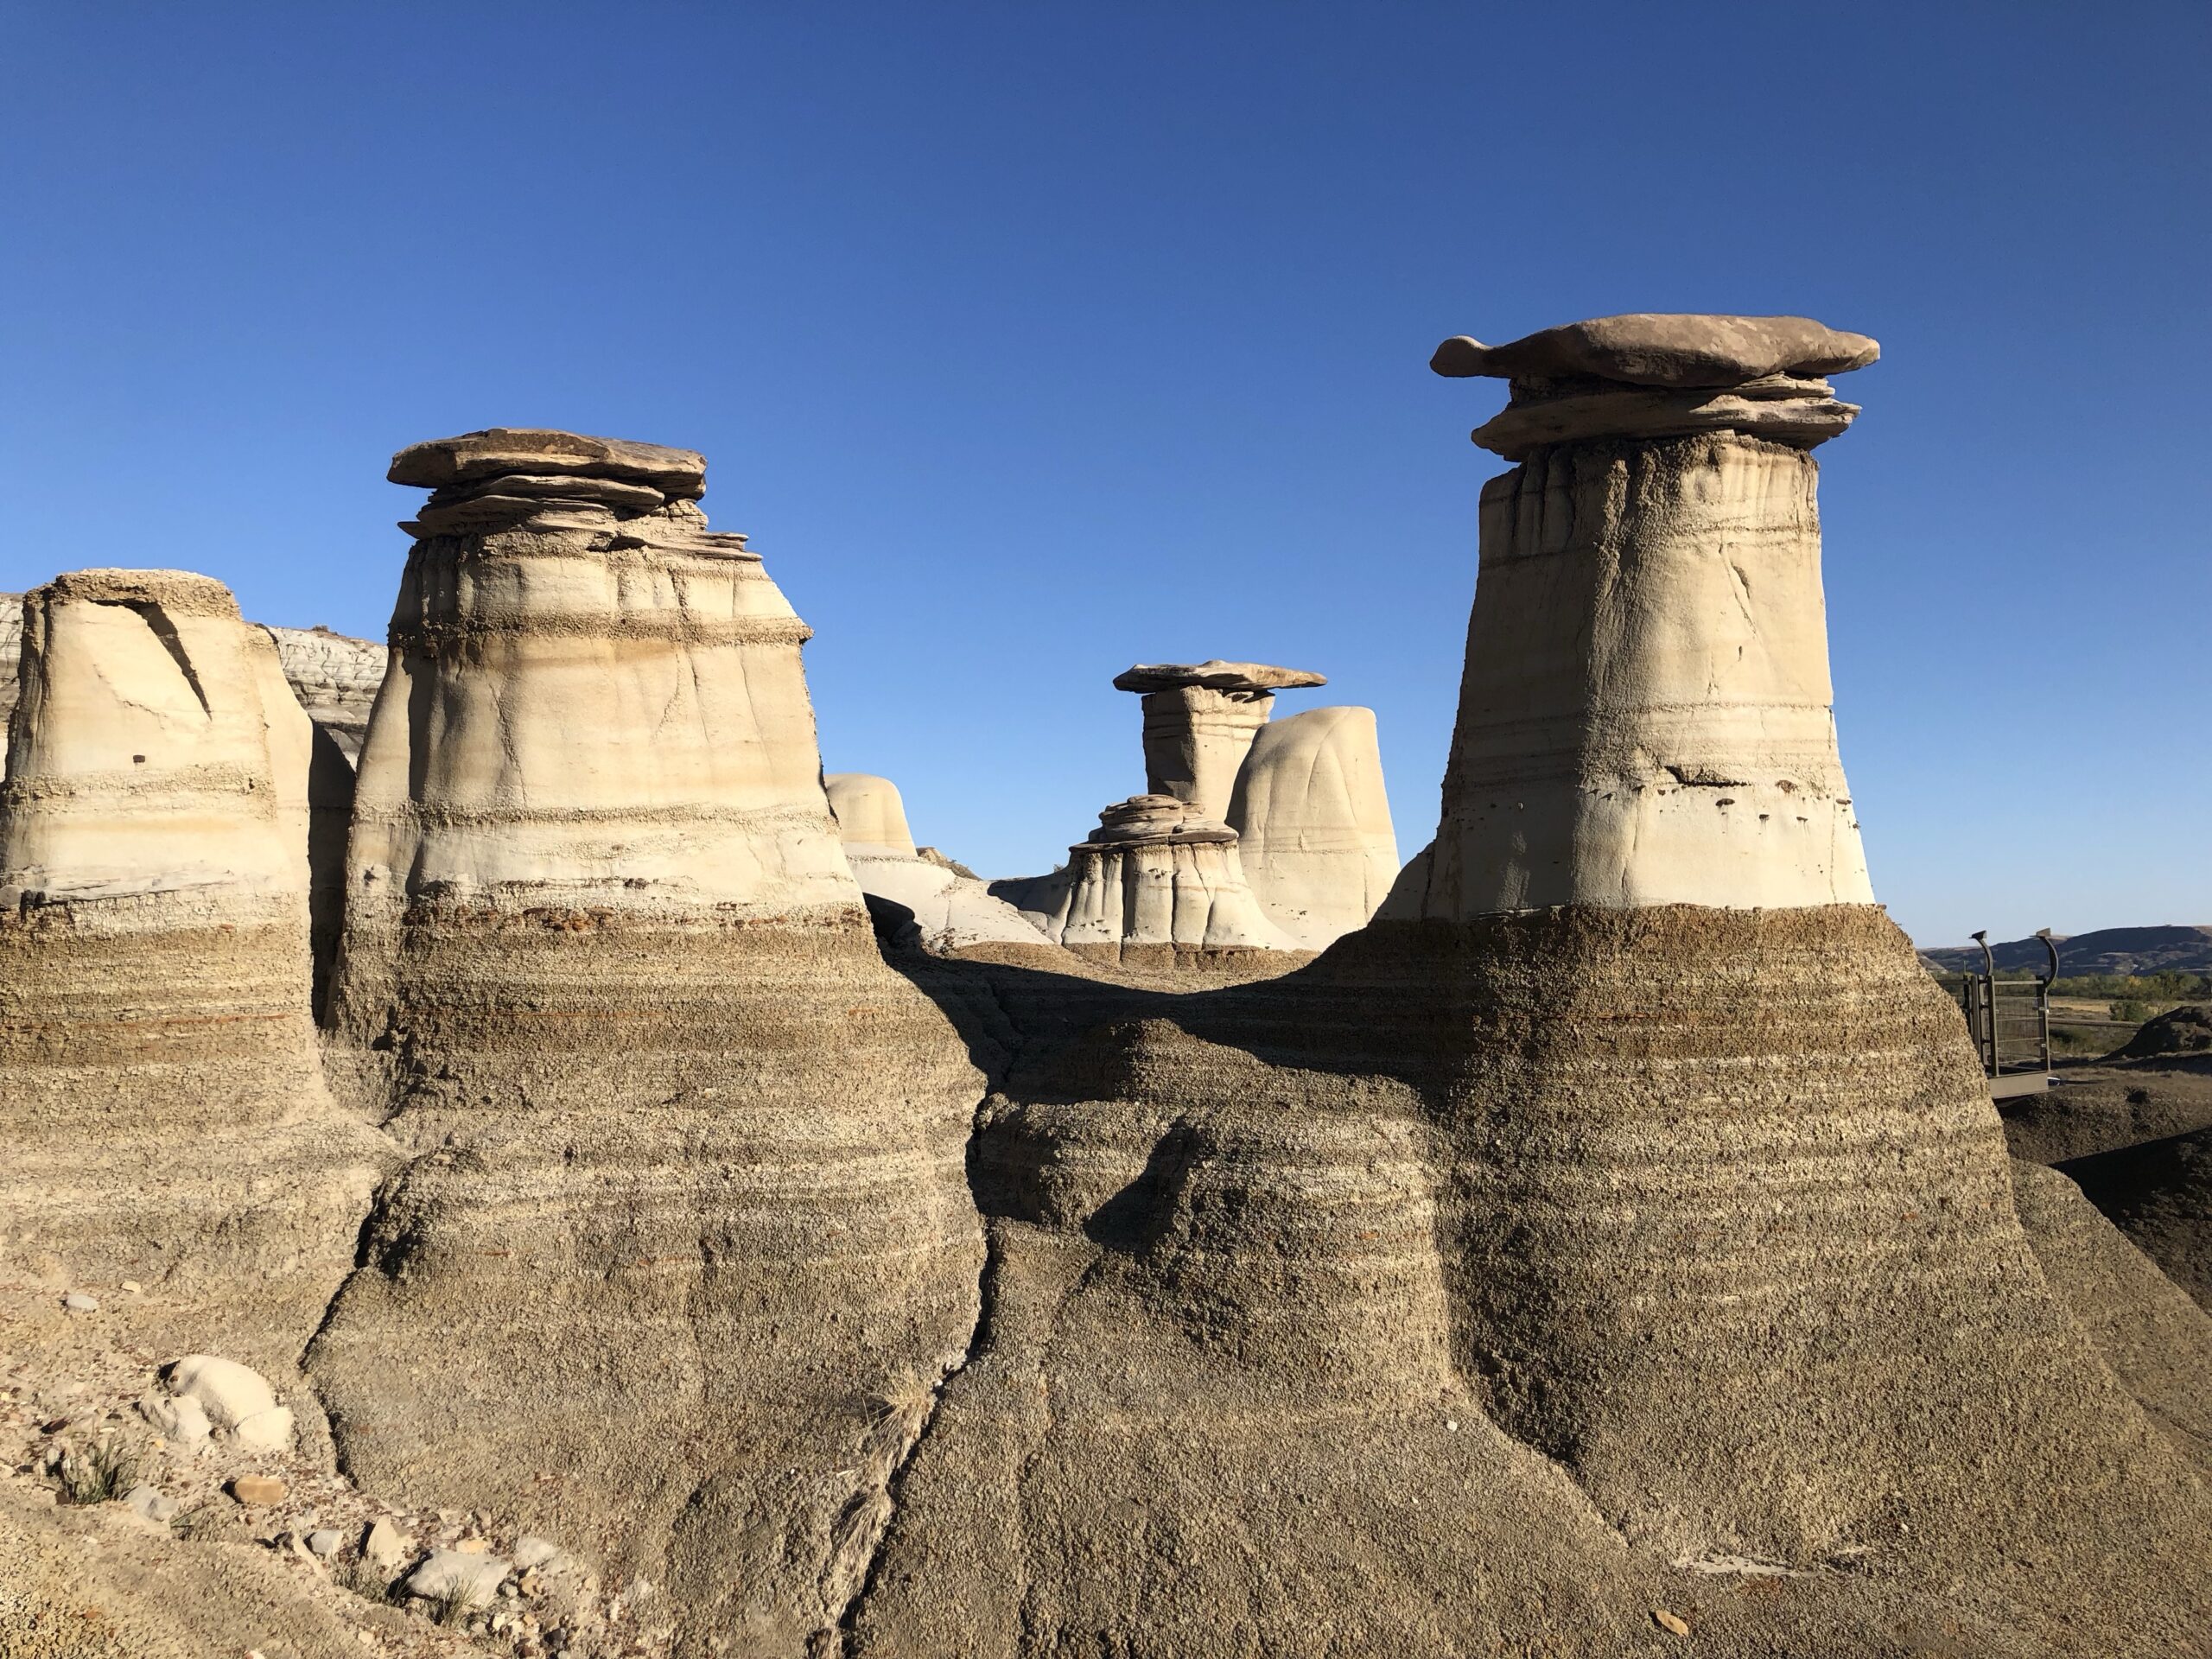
(2107,950)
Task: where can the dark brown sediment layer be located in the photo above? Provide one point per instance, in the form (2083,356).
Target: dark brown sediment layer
(685,1250)
(1697,1223)
(166,1120)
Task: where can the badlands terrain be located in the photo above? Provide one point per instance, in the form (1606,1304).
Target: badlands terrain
(501,1154)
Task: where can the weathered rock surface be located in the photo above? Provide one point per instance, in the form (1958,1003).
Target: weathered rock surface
(1664,349)
(1649,1157)
(336,679)
(1651,376)
(686,1237)
(535,452)
(160,1096)
(1314,824)
(1155,885)
(2158,1342)
(951,911)
(1646,716)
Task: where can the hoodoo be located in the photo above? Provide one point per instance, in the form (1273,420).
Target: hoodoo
(1623,1208)
(1199,721)
(160,1090)
(686,1226)
(1155,883)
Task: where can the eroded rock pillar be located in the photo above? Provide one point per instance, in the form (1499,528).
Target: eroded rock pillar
(1199,722)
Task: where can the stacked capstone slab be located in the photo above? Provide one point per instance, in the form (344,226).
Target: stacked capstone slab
(160,1096)
(1626,1215)
(686,1243)
(1200,720)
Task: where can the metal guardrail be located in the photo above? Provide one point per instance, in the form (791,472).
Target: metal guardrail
(2009,1019)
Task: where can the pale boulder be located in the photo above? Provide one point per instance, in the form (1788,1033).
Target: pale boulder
(472,1578)
(870,814)
(235,1398)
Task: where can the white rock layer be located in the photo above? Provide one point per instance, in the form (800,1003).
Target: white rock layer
(952,913)
(1645,717)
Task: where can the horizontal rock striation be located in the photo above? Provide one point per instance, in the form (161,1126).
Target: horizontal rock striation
(160,1089)
(686,1245)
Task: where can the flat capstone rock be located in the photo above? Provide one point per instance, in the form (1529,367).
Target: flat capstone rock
(539,452)
(1676,349)
(1215,675)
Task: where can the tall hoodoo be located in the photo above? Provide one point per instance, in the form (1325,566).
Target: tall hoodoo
(1645,717)
(153,964)
(1199,721)
(688,1223)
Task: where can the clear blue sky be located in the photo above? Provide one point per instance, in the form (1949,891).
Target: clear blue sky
(1029,341)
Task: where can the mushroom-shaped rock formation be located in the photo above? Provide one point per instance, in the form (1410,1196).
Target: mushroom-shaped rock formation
(1199,721)
(952,912)
(161,1094)
(687,1222)
(1313,823)
(1657,376)
(1155,885)
(1647,716)
(1685,1180)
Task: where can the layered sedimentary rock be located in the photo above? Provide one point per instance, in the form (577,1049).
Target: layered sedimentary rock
(1646,714)
(686,1245)
(1200,720)
(1153,884)
(11,648)
(1313,823)
(160,1090)
(1632,1137)
(952,910)
(336,679)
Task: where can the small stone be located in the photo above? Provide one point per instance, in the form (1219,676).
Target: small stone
(325,1541)
(470,1546)
(448,1572)
(180,1419)
(77,1302)
(1669,1623)
(131,1286)
(530,1551)
(235,1397)
(382,1545)
(257,1490)
(1452,1425)
(152,1503)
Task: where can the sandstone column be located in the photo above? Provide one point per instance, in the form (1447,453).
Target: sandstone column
(687,1243)
(1199,721)
(1313,823)
(160,1091)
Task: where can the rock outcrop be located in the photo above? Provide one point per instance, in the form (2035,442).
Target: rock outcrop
(2159,1194)
(160,1090)
(1623,1208)
(1155,885)
(951,912)
(1646,716)
(1313,823)
(336,679)
(685,1246)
